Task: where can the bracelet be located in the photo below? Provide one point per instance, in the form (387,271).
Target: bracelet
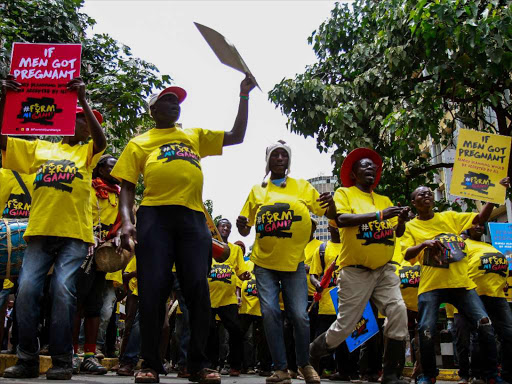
(244,96)
(381,214)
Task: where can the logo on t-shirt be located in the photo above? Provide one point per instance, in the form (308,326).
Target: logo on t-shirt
(479,182)
(179,151)
(17,206)
(410,277)
(251,289)
(58,174)
(221,272)
(38,110)
(494,262)
(274,220)
(376,232)
(455,250)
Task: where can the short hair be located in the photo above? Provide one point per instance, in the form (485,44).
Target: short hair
(101,163)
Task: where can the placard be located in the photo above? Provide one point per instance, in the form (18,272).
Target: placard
(481,161)
(44,106)
(501,238)
(366,327)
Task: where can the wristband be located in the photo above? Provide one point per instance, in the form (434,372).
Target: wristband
(244,96)
(377,214)
(381,215)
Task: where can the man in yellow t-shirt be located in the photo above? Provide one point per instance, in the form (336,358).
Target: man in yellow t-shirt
(368,223)
(59,231)
(171,226)
(434,239)
(309,251)
(222,282)
(489,270)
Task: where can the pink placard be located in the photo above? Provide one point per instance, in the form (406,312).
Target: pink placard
(44,106)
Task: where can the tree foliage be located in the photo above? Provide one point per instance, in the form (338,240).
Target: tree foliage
(391,74)
(209,207)
(117,82)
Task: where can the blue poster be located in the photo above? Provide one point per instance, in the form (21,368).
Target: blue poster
(501,238)
(365,329)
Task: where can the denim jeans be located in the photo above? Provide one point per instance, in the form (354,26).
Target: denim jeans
(469,305)
(4,295)
(66,254)
(132,350)
(295,297)
(109,299)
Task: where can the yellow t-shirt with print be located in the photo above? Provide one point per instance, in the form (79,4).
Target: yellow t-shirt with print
(445,226)
(372,244)
(409,275)
(488,268)
(61,204)
(170,161)
(132,284)
(282,220)
(332,250)
(222,279)
(14,203)
(309,251)
(250,301)
(104,213)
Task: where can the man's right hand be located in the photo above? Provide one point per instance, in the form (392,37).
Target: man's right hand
(241,222)
(128,232)
(391,212)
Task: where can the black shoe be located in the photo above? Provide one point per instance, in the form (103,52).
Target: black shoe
(60,372)
(23,370)
(392,362)
(318,349)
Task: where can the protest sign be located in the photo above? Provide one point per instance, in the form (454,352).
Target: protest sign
(366,327)
(225,51)
(44,106)
(481,161)
(501,238)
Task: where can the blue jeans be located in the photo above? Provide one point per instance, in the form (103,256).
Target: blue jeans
(42,252)
(295,296)
(109,299)
(132,350)
(469,305)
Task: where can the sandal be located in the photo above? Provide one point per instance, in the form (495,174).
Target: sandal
(125,370)
(205,376)
(146,375)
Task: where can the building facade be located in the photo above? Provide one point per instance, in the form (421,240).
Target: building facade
(323,184)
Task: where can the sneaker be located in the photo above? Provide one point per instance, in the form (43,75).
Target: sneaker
(309,374)
(99,355)
(279,377)
(60,372)
(92,366)
(23,370)
(75,363)
(426,380)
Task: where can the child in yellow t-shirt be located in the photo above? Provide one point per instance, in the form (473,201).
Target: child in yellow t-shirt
(60,230)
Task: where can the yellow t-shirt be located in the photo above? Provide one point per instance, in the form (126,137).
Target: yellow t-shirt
(222,279)
(132,284)
(170,161)
(309,251)
(508,293)
(15,204)
(409,275)
(61,204)
(116,277)
(371,244)
(250,301)
(445,226)
(326,306)
(450,310)
(8,284)
(104,213)
(282,220)
(488,268)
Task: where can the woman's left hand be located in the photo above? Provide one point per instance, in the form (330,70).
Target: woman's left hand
(326,200)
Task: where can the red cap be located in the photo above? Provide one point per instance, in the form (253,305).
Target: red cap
(355,156)
(179,92)
(97,115)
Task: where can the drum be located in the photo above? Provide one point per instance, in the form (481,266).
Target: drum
(220,251)
(108,260)
(12,246)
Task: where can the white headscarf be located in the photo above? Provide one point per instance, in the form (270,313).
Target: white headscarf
(271,148)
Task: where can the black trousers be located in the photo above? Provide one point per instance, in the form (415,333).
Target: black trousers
(259,342)
(169,235)
(229,317)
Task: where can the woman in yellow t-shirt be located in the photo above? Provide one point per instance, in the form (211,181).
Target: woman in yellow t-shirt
(59,231)
(171,226)
(434,239)
(280,210)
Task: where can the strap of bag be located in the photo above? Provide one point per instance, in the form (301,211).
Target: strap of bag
(23,186)
(321,251)
(9,249)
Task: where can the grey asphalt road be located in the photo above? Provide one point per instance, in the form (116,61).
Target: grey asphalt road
(112,378)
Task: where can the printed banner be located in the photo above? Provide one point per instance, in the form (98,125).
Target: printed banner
(481,161)
(365,329)
(44,106)
(501,238)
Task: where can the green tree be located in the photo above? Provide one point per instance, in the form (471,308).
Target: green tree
(118,83)
(391,74)
(209,207)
